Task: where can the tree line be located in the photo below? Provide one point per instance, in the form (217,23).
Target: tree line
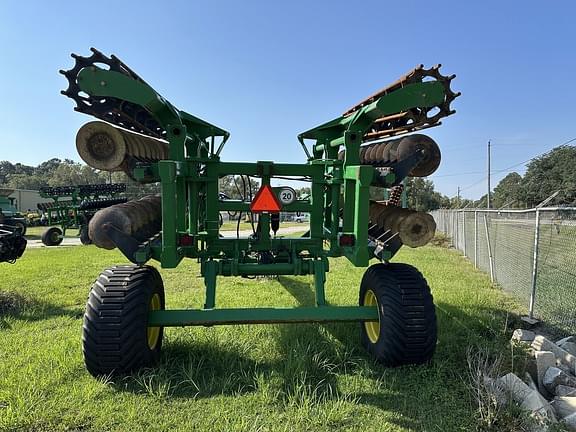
(58,172)
(545,175)
(550,173)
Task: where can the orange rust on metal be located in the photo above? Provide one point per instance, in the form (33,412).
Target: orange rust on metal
(414,119)
(395,196)
(384,154)
(401,82)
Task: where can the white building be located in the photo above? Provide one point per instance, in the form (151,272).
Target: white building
(25,199)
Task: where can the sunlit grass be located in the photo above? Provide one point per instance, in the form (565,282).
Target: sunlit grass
(255,377)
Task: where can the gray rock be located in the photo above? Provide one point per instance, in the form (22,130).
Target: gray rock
(495,389)
(564,405)
(528,380)
(530,400)
(562,390)
(514,386)
(554,377)
(544,361)
(570,347)
(570,422)
(521,335)
(540,343)
(566,339)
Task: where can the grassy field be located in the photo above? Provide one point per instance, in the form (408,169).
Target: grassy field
(261,377)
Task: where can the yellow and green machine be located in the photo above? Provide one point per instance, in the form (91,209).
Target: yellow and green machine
(355,166)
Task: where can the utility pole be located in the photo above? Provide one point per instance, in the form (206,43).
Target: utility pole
(458,198)
(488,197)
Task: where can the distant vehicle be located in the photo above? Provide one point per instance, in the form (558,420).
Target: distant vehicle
(300,218)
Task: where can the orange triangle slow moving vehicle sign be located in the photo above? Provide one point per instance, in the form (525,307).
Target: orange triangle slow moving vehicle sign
(265,201)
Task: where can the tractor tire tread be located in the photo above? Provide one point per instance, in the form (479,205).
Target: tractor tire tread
(407,333)
(114,331)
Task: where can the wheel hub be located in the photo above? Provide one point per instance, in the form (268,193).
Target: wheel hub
(153,333)
(372,327)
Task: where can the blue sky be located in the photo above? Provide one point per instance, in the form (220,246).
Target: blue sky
(266,71)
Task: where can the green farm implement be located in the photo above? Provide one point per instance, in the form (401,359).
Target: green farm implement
(74,206)
(139,132)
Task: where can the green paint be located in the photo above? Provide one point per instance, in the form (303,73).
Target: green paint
(191,206)
(189,317)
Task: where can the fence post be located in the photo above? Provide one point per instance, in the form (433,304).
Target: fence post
(489,249)
(534,266)
(456,232)
(464,232)
(451,218)
(476,238)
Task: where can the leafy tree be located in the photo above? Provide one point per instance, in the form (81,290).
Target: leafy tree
(481,203)
(422,196)
(235,188)
(508,192)
(72,173)
(460,203)
(24,181)
(549,173)
(134,190)
(47,168)
(303,191)
(23,169)
(420,193)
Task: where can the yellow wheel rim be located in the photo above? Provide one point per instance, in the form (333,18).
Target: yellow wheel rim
(372,327)
(153,333)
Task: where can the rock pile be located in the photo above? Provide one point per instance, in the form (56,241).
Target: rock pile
(549,390)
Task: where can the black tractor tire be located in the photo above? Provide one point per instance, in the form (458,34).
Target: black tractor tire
(406,331)
(52,236)
(84,237)
(116,338)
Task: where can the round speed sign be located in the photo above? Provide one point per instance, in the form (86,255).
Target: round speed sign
(287,195)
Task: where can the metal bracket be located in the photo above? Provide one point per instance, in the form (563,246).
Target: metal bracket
(129,246)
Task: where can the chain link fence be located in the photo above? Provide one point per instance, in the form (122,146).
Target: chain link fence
(529,253)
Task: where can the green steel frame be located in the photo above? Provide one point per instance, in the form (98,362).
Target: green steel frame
(191,206)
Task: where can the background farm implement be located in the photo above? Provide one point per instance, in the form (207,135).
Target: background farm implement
(74,206)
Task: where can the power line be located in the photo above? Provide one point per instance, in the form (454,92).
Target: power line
(541,154)
(517,164)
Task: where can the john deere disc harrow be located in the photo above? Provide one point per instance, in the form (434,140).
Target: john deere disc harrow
(153,141)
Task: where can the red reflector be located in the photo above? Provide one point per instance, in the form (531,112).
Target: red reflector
(265,201)
(186,240)
(347,240)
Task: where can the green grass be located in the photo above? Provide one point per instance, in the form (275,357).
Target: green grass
(301,377)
